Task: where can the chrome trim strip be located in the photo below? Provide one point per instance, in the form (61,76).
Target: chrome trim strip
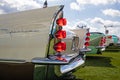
(100,47)
(13,60)
(85,50)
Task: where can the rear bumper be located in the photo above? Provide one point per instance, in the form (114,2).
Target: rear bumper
(85,50)
(52,61)
(100,47)
(73,62)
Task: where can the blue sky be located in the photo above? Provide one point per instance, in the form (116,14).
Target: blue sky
(92,13)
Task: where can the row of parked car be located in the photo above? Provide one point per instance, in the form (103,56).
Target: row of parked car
(108,42)
(37,38)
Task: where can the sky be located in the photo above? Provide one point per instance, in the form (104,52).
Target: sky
(94,14)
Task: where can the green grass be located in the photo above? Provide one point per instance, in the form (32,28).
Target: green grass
(100,67)
(97,67)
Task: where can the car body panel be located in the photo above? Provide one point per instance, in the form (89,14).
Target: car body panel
(112,42)
(95,38)
(109,40)
(81,33)
(113,39)
(25,33)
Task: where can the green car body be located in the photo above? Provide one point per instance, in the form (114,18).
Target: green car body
(95,39)
(112,42)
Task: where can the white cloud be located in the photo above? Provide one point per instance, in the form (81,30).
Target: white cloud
(18,5)
(82,1)
(97,2)
(97,20)
(101,21)
(80,4)
(53,0)
(9,6)
(74,6)
(99,24)
(111,12)
(96,25)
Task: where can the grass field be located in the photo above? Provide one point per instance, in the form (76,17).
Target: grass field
(100,67)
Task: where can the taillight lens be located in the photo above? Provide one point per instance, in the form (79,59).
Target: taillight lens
(60,46)
(88,34)
(87,39)
(110,37)
(104,39)
(60,34)
(61,21)
(102,42)
(86,44)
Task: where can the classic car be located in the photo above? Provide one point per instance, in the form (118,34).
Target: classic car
(112,42)
(97,42)
(34,46)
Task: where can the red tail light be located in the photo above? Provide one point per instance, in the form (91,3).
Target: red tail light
(86,44)
(61,22)
(60,34)
(60,46)
(88,34)
(102,42)
(87,39)
(110,37)
(104,39)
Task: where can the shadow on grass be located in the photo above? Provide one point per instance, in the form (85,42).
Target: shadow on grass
(112,50)
(98,61)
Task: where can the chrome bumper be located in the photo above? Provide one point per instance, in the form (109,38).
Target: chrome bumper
(100,47)
(78,61)
(72,62)
(85,50)
(52,61)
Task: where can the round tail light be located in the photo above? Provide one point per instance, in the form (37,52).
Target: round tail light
(60,34)
(60,46)
(86,44)
(88,34)
(61,21)
(87,39)
(102,42)
(110,37)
